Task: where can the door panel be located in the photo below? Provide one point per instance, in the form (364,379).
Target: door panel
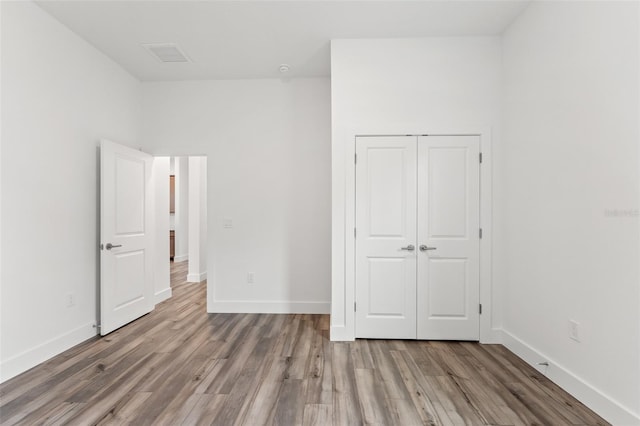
(447,192)
(386,192)
(129,282)
(447,289)
(129,195)
(448,222)
(126,286)
(385,299)
(386,222)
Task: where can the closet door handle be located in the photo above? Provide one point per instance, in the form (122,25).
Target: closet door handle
(410,247)
(110,246)
(425,248)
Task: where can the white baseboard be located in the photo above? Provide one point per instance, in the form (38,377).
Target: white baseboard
(196,278)
(339,333)
(280,307)
(492,337)
(163,295)
(593,398)
(30,358)
(180,258)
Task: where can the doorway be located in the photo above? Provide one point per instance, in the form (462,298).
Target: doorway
(417,237)
(188,214)
(180,215)
(138,212)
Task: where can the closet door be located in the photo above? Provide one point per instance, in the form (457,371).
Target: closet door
(448,238)
(386,237)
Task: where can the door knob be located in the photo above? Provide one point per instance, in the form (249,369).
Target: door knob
(425,248)
(410,247)
(109,246)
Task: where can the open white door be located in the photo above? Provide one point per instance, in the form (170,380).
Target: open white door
(126,285)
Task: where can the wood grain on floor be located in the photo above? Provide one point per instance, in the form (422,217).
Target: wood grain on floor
(181,366)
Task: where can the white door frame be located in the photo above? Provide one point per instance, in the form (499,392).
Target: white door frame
(343,213)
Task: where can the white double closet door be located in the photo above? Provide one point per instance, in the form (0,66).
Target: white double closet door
(417,237)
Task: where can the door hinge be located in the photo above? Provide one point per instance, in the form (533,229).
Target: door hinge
(354,306)
(480,233)
(480,309)
(355,158)
(480,157)
(354,232)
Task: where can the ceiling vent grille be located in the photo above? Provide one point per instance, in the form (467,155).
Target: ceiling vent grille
(166,52)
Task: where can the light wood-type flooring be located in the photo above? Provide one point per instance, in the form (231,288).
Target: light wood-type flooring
(181,366)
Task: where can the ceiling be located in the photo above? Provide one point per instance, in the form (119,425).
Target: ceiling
(250,39)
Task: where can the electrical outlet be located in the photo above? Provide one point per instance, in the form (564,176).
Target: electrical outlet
(250,278)
(71,300)
(574,330)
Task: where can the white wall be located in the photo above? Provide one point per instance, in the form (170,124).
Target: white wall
(161,270)
(267,144)
(571,160)
(59,97)
(197,219)
(403,85)
(182,209)
(172,172)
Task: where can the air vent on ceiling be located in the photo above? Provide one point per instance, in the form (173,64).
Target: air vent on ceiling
(166,52)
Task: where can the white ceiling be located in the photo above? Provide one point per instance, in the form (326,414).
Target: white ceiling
(250,39)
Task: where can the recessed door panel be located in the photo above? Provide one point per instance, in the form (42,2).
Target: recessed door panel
(447,203)
(129,277)
(448,288)
(386,298)
(387,197)
(129,193)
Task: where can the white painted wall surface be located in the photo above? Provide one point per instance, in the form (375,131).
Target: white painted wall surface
(571,181)
(197,219)
(1,180)
(172,172)
(430,83)
(59,97)
(267,144)
(161,270)
(182,209)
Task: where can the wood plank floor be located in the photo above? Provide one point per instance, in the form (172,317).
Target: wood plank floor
(181,366)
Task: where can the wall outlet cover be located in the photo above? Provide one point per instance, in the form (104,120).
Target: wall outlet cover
(574,330)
